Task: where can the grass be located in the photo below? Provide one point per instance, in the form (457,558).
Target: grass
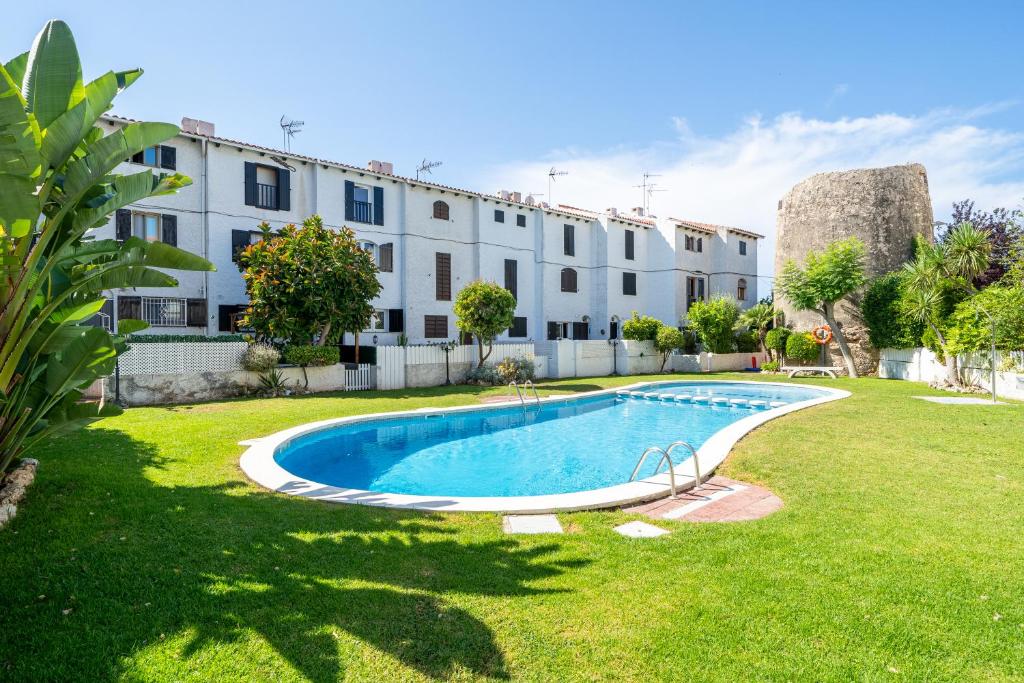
(142,553)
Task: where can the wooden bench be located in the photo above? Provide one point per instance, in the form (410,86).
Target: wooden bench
(794,369)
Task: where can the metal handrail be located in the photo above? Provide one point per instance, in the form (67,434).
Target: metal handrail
(514,385)
(693,454)
(664,458)
(529,383)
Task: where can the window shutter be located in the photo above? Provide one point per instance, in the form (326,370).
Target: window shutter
(435,326)
(553,330)
(239,241)
(629,245)
(629,284)
(250,184)
(378,206)
(350,200)
(129,308)
(499,216)
(700,244)
(123,224)
(284,190)
(138,158)
(580,331)
(521,220)
(511,273)
(169,229)
(443,286)
(396,320)
(224,313)
(387,258)
(168,158)
(569,240)
(568,280)
(195,312)
(518,328)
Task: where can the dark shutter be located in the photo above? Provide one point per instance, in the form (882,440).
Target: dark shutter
(511,277)
(554,330)
(613,329)
(250,184)
(129,308)
(169,229)
(700,244)
(629,284)
(284,190)
(378,206)
(443,285)
(580,331)
(350,200)
(499,216)
(139,158)
(225,313)
(569,239)
(396,320)
(521,220)
(387,258)
(123,224)
(195,312)
(518,328)
(239,240)
(168,158)
(629,245)
(435,326)
(743,248)
(568,280)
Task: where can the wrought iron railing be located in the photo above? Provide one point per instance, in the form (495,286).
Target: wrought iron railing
(163,311)
(266,196)
(362,212)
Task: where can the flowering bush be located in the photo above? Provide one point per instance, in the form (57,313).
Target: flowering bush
(260,358)
(801,347)
(516,370)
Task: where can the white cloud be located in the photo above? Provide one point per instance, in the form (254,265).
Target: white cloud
(737,179)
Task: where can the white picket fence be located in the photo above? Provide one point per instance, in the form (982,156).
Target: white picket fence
(921,365)
(362,377)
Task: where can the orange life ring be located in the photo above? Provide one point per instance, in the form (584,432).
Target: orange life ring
(822,334)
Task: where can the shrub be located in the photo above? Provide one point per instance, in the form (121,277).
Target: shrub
(971,329)
(309,355)
(770,366)
(746,342)
(890,324)
(668,340)
(516,369)
(484,374)
(260,358)
(801,347)
(641,328)
(689,341)
(714,321)
(775,340)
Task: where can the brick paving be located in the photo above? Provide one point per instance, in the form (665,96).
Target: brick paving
(731,501)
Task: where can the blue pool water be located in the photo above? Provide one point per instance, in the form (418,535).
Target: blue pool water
(558,447)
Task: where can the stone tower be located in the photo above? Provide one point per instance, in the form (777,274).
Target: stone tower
(884,207)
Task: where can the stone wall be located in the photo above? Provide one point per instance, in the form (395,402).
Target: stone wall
(884,207)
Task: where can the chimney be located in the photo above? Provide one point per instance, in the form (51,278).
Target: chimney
(517,197)
(637,210)
(504,194)
(544,205)
(612,211)
(385,167)
(197,127)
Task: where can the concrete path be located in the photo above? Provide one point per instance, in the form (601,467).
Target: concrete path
(719,499)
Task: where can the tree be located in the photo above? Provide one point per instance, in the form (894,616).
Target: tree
(939,278)
(668,340)
(886,311)
(801,346)
(714,321)
(970,325)
(485,310)
(56,184)
(1003,228)
(641,328)
(758,319)
(825,279)
(775,342)
(308,284)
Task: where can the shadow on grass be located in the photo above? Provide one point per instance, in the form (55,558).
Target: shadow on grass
(220,563)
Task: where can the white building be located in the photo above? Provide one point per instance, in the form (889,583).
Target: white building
(575,273)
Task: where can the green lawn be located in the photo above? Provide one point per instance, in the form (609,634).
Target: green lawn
(898,555)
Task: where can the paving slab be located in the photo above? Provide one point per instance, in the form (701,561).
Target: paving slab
(719,499)
(531,524)
(640,530)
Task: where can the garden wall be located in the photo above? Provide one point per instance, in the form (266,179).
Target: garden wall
(569,358)
(399,367)
(921,365)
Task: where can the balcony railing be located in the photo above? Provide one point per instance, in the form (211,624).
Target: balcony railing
(362,212)
(266,196)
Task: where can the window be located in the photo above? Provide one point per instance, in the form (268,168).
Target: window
(499,216)
(376,322)
(443,276)
(441,210)
(694,243)
(743,248)
(151,227)
(267,187)
(229,317)
(629,284)
(569,239)
(630,237)
(158,156)
(694,290)
(613,329)
(558,330)
(568,280)
(146,226)
(386,254)
(512,277)
(518,329)
(396,320)
(581,331)
(163,311)
(521,220)
(364,204)
(240,239)
(435,326)
(741,289)
(370,248)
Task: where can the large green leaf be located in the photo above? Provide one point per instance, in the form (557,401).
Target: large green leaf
(53,74)
(107,152)
(160,255)
(19,132)
(16,68)
(70,415)
(130,326)
(126,190)
(75,363)
(19,205)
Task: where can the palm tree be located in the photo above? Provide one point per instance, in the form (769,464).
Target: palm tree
(759,319)
(940,275)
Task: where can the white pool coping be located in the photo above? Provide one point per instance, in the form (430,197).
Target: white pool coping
(259,465)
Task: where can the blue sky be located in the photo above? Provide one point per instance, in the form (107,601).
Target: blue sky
(731,102)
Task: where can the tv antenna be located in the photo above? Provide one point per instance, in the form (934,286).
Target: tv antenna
(651,189)
(425,167)
(552,174)
(644,194)
(289,128)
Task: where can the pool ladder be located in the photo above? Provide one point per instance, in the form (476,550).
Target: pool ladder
(515,385)
(666,456)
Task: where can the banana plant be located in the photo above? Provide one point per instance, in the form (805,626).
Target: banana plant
(57,183)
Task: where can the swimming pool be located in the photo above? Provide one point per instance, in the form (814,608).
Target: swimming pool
(562,453)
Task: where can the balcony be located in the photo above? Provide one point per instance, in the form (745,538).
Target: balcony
(362,212)
(266,196)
